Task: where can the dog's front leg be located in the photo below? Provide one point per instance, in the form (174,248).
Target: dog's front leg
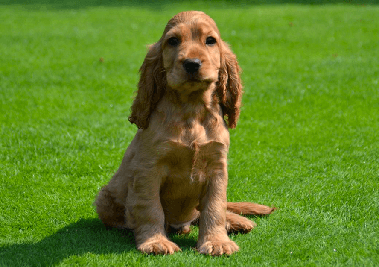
(213,238)
(144,214)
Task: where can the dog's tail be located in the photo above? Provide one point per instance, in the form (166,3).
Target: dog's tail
(248,208)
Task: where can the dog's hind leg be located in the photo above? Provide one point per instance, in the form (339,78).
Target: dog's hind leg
(236,223)
(110,213)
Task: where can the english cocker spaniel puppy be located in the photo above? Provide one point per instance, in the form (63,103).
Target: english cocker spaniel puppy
(174,172)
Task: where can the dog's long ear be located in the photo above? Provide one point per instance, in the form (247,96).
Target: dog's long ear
(229,87)
(150,87)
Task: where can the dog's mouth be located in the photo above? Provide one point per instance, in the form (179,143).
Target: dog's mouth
(197,83)
(197,78)
(190,81)
(193,77)
(192,85)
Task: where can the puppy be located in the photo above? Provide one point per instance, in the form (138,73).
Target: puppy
(174,172)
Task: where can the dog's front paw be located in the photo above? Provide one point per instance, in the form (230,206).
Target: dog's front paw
(217,248)
(161,246)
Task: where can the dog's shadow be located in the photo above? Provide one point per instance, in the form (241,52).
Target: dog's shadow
(86,236)
(83,237)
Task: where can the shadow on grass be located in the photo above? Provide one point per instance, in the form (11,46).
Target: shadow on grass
(86,236)
(83,237)
(159,5)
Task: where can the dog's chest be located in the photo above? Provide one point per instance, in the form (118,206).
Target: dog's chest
(189,166)
(187,170)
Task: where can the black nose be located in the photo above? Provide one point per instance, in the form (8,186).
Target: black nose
(192,65)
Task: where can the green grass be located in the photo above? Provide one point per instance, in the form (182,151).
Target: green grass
(307,141)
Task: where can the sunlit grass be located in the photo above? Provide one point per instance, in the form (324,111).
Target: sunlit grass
(307,141)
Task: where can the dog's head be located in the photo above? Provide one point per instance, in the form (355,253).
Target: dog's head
(190,56)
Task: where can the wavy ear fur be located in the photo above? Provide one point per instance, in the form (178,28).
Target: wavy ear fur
(150,87)
(229,87)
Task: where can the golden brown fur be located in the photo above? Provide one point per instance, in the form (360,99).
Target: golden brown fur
(175,170)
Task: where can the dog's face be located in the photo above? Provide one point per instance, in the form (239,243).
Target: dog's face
(189,57)
(191,53)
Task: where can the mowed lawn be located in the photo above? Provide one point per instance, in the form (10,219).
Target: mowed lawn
(307,141)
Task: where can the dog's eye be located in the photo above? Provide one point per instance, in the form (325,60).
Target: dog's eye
(173,41)
(210,41)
